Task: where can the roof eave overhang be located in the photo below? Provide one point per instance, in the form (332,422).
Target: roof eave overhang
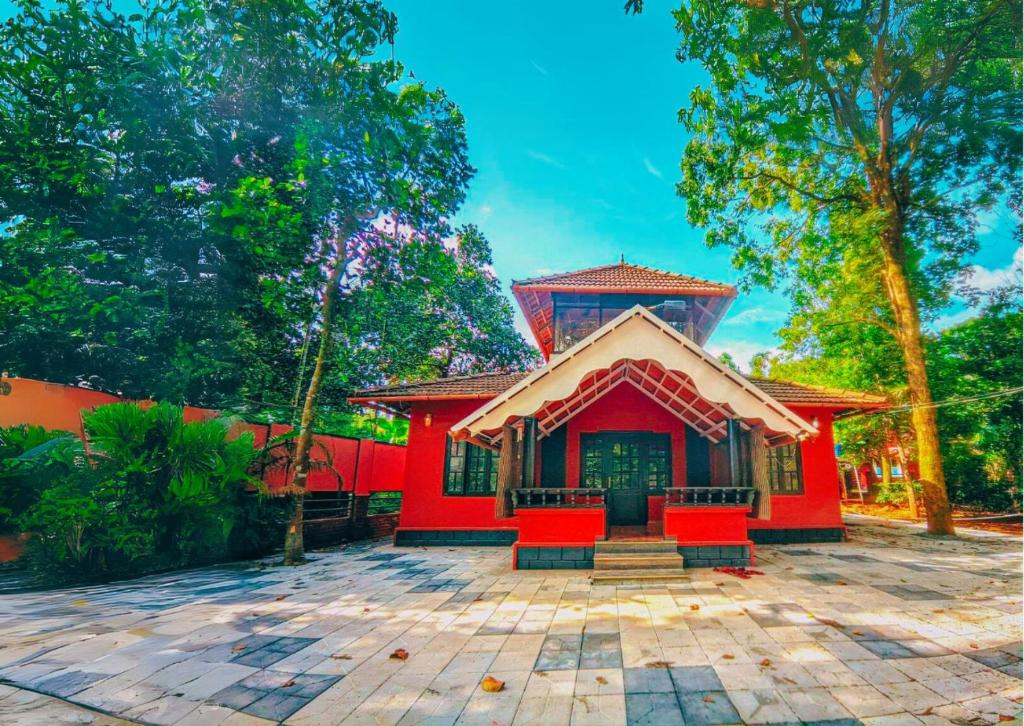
(490,417)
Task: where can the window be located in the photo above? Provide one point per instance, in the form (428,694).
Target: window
(625,461)
(577,316)
(784,470)
(470,470)
(383,503)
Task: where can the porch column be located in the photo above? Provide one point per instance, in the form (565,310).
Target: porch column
(529,451)
(733,431)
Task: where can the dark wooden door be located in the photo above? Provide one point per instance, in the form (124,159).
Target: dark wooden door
(628,466)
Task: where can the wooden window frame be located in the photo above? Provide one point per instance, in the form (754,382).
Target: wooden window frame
(645,437)
(469,467)
(776,472)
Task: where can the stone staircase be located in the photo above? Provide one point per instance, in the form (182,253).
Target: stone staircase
(643,560)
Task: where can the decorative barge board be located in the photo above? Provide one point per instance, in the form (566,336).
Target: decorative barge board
(630,423)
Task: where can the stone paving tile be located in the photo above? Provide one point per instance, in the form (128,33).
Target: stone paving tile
(887,628)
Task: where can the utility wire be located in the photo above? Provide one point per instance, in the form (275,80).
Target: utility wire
(938,404)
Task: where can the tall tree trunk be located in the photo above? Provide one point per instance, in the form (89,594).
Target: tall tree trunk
(922,414)
(886,470)
(908,483)
(294,549)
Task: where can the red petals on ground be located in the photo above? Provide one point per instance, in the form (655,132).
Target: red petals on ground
(741,572)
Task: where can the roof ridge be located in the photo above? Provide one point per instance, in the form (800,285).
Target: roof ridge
(464,377)
(614,266)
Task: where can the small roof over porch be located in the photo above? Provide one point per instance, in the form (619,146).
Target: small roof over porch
(639,349)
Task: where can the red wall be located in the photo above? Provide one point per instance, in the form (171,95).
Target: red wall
(625,409)
(365,466)
(423,504)
(818,506)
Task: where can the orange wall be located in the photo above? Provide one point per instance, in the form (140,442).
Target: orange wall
(365,466)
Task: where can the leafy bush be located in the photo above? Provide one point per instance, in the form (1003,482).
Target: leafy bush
(152,492)
(896,493)
(24,469)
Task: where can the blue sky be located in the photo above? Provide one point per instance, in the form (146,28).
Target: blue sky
(571,109)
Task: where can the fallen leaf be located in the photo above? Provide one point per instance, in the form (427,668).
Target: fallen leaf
(840,582)
(728,656)
(708,698)
(490,684)
(1005,717)
(289,683)
(974,645)
(237,647)
(342,656)
(858,632)
(766,663)
(79,603)
(400,654)
(280,597)
(602,680)
(366,610)
(695,607)
(659,664)
(790,681)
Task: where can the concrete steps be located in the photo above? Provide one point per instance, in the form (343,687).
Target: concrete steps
(639,561)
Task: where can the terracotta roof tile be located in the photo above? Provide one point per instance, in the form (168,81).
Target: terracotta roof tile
(800,393)
(491,384)
(627,277)
(482,384)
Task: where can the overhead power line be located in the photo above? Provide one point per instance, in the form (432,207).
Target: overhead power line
(938,404)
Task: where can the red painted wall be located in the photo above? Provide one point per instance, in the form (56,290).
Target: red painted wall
(625,409)
(423,504)
(365,466)
(563,527)
(818,506)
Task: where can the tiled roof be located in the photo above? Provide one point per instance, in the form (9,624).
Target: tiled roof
(491,384)
(627,277)
(799,393)
(482,384)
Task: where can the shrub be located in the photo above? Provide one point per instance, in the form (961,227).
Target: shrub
(25,469)
(153,493)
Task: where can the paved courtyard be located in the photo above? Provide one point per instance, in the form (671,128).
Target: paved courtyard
(888,628)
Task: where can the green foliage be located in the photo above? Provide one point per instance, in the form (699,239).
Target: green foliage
(982,439)
(26,467)
(815,113)
(895,493)
(176,182)
(153,492)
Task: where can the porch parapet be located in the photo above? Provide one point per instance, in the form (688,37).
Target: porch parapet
(709,496)
(565,497)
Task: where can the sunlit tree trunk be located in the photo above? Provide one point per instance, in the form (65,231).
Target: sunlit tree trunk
(294,549)
(922,414)
(886,470)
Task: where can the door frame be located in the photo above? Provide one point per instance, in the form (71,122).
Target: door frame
(606,438)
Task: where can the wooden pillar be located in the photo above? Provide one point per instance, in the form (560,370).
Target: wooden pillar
(734,452)
(507,470)
(529,451)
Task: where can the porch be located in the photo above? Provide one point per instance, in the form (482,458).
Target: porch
(672,445)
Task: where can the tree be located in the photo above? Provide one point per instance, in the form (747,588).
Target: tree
(843,131)
(981,439)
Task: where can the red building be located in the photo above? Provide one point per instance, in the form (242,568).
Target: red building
(631,429)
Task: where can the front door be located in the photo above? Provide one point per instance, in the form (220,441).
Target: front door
(628,466)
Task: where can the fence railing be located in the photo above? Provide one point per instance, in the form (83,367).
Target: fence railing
(558,497)
(326,505)
(383,503)
(708,496)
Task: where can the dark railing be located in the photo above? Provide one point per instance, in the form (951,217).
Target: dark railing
(559,497)
(709,496)
(383,503)
(326,505)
